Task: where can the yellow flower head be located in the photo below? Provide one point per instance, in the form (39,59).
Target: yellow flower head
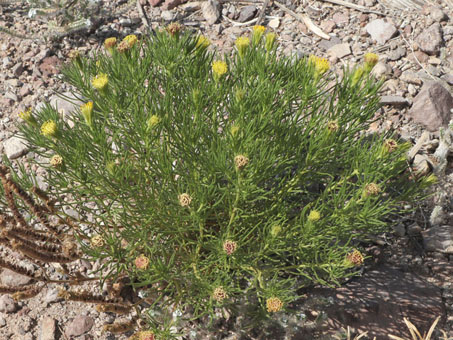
(56,161)
(202,42)
(270,41)
(372,189)
(242,43)
(371,60)
(321,65)
(131,40)
(110,43)
(358,74)
(87,110)
(355,258)
(257,33)
(74,54)
(153,121)
(314,216)
(234,130)
(241,161)
(276,229)
(332,126)
(219,68)
(100,81)
(141,262)
(184,200)
(229,247)
(274,304)
(219,294)
(27,115)
(49,129)
(97,241)
(390,145)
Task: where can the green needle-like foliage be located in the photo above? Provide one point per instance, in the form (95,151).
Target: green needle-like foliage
(220,183)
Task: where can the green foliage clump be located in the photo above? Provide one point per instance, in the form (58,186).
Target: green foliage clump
(215,183)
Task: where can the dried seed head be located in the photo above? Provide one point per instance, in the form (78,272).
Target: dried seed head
(56,161)
(219,294)
(372,189)
(355,258)
(110,43)
(274,304)
(390,145)
(332,126)
(142,262)
(185,199)
(229,247)
(97,241)
(241,161)
(174,29)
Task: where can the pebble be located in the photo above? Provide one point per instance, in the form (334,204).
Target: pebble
(15,147)
(247,13)
(430,40)
(167,15)
(10,278)
(339,51)
(48,327)
(7,304)
(79,325)
(381,30)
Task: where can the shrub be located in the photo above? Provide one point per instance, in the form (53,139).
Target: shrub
(214,182)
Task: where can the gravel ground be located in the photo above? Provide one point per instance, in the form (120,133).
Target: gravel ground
(415,44)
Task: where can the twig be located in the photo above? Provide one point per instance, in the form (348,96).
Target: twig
(416,148)
(263,10)
(415,57)
(354,6)
(142,14)
(306,20)
(235,23)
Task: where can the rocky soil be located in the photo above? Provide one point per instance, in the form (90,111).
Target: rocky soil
(409,273)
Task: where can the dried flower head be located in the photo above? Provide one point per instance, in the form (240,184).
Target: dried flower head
(219,68)
(219,294)
(355,258)
(371,60)
(321,65)
(153,121)
(174,29)
(185,199)
(333,126)
(372,189)
(100,81)
(390,145)
(49,129)
(270,41)
(202,42)
(141,262)
(27,115)
(123,47)
(145,335)
(110,43)
(242,43)
(56,161)
(229,247)
(97,241)
(314,216)
(274,304)
(87,110)
(241,161)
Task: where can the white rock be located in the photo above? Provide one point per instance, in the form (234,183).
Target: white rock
(15,147)
(274,23)
(381,31)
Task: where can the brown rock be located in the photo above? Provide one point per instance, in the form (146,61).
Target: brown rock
(170,4)
(48,329)
(10,278)
(432,106)
(430,40)
(49,66)
(80,325)
(155,3)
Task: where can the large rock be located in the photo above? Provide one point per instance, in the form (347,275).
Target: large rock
(48,329)
(7,304)
(67,104)
(340,50)
(10,278)
(80,325)
(430,40)
(247,13)
(378,301)
(432,106)
(381,30)
(15,147)
(211,11)
(439,239)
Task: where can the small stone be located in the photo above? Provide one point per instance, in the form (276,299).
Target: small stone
(274,23)
(10,278)
(411,78)
(412,90)
(326,44)
(67,104)
(397,54)
(247,13)
(381,31)
(170,4)
(51,296)
(328,26)
(7,304)
(340,19)
(421,165)
(339,51)
(50,66)
(381,69)
(397,101)
(414,229)
(6,61)
(79,325)
(399,230)
(448,78)
(430,40)
(15,147)
(11,95)
(2,321)
(211,11)
(17,69)
(25,90)
(48,329)
(437,14)
(167,15)
(155,3)
(439,239)
(432,106)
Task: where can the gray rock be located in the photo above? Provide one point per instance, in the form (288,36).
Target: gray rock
(340,50)
(15,147)
(211,11)
(80,325)
(411,78)
(167,15)
(381,31)
(10,278)
(51,296)
(439,239)
(18,69)
(397,54)
(6,61)
(432,106)
(67,105)
(437,14)
(381,69)
(11,95)
(448,78)
(326,44)
(247,13)
(7,304)
(2,322)
(431,40)
(397,101)
(48,329)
